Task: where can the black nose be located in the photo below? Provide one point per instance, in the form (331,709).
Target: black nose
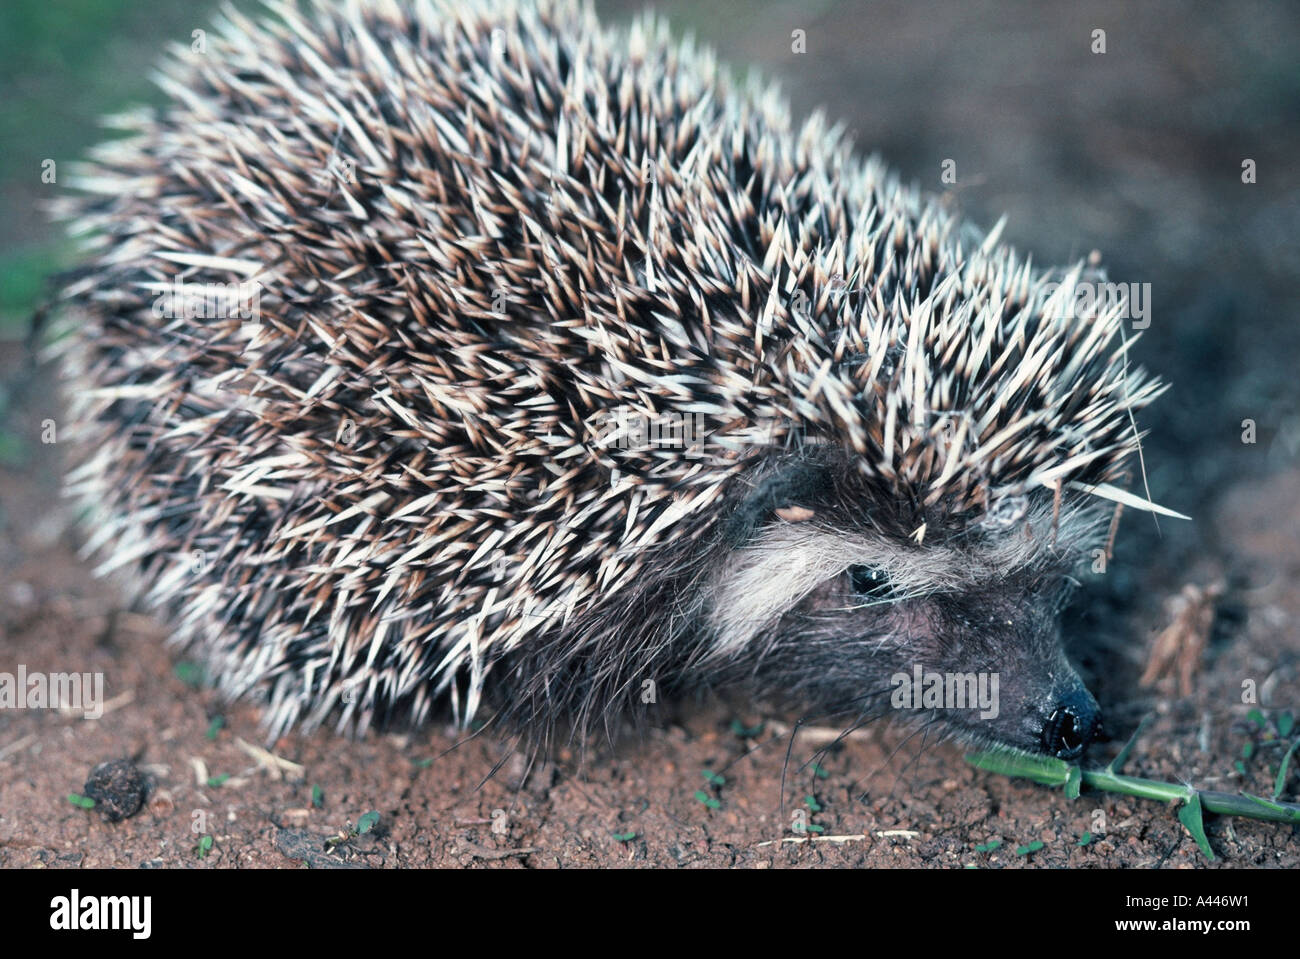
(1072,724)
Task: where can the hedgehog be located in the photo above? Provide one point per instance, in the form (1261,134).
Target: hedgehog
(473,358)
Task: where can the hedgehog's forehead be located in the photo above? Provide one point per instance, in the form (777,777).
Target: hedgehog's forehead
(933,558)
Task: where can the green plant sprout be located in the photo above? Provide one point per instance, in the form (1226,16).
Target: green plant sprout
(1277,737)
(365,823)
(1193,803)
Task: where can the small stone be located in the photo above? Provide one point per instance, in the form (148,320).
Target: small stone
(117,787)
(161,804)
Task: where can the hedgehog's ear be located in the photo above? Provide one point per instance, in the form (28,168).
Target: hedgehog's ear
(793,491)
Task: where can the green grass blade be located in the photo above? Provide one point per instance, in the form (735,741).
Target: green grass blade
(1189,814)
(1046,770)
(1281,773)
(1118,762)
(1074,783)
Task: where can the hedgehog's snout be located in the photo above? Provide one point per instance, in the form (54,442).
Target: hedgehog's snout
(1072,723)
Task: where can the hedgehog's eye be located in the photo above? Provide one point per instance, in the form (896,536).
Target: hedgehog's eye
(870,582)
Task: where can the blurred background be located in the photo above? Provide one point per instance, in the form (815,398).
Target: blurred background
(1136,152)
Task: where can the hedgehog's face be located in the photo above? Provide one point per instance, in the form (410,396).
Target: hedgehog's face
(960,630)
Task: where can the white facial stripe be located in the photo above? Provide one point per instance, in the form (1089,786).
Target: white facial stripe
(769,576)
(787,561)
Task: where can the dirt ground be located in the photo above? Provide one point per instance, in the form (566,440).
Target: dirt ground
(1142,158)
